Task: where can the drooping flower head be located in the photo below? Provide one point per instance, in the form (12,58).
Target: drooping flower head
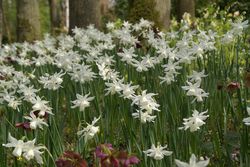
(232,86)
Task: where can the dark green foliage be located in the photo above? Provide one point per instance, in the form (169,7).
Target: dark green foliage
(144,9)
(230,5)
(44,16)
(9,27)
(121,9)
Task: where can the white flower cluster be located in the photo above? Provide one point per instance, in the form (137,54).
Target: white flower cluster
(145,102)
(237,30)
(26,149)
(193,123)
(193,89)
(82,73)
(185,51)
(147,105)
(52,82)
(159,152)
(79,55)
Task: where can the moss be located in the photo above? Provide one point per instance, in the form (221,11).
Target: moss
(28,33)
(25,27)
(44,16)
(144,9)
(9,12)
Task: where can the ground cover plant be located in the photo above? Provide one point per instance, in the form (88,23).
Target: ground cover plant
(131,96)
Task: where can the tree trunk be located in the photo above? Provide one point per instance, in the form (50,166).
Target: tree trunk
(8,35)
(84,12)
(187,6)
(1,23)
(28,23)
(163,7)
(54,16)
(64,5)
(104,6)
(67,14)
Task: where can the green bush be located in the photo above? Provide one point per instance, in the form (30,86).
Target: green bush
(144,9)
(121,9)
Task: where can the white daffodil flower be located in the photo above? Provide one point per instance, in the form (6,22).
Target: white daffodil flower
(158,152)
(128,91)
(195,90)
(52,82)
(17,144)
(31,151)
(89,131)
(144,116)
(192,162)
(197,76)
(195,122)
(35,121)
(113,87)
(41,106)
(82,101)
(247,120)
(146,102)
(26,149)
